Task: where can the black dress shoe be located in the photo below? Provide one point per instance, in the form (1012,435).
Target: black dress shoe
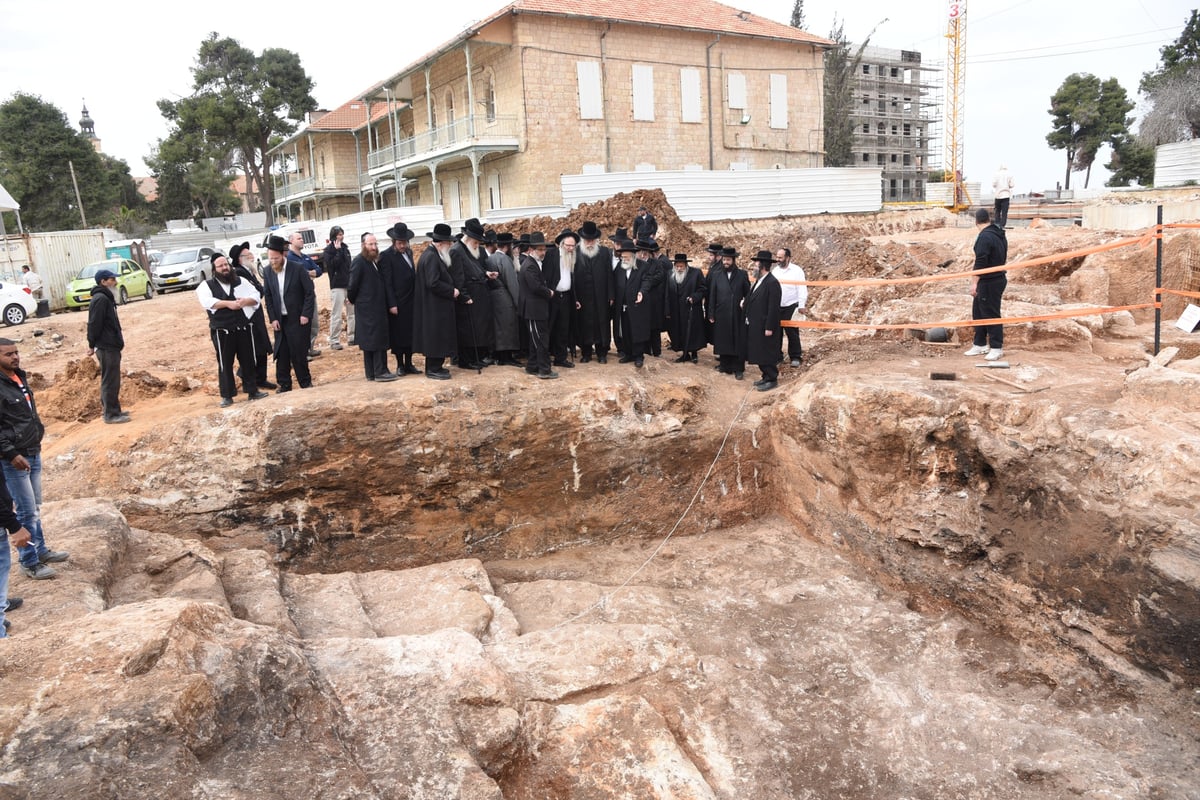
(226,402)
(13,604)
(566,364)
(586,360)
(282,389)
(266,385)
(547,376)
(683,358)
(602,359)
(409,369)
(638,363)
(695,358)
(385,377)
(258,395)
(624,359)
(443,375)
(767,386)
(738,375)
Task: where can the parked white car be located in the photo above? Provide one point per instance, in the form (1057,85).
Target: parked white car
(17,303)
(183,269)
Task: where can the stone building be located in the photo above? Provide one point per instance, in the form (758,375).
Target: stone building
(493,117)
(894,115)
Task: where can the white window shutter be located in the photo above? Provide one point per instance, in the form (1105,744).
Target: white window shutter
(591,103)
(737,90)
(689,94)
(643,92)
(779,101)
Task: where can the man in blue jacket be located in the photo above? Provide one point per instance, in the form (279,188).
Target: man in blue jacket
(21,432)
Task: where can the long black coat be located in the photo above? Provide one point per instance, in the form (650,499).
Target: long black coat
(505,295)
(433,308)
(397,269)
(633,318)
(372,298)
(299,296)
(474,320)
(685,320)
(655,291)
(762,315)
(535,294)
(595,292)
(725,294)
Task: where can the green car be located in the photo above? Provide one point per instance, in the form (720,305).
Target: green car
(132,281)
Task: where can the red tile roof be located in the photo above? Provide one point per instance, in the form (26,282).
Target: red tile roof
(702,15)
(349,116)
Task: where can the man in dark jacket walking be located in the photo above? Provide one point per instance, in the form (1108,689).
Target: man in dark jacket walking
(372,296)
(336,260)
(106,343)
(21,433)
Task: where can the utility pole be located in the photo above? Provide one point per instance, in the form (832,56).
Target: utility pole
(78,199)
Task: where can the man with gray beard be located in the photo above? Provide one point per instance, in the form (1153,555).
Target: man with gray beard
(471,277)
(593,294)
(686,290)
(506,296)
(434,333)
(374,302)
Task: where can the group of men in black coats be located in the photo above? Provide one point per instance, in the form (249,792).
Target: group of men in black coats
(480,299)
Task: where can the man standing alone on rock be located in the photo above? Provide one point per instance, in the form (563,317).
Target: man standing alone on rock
(106,342)
(21,432)
(991,250)
(231,303)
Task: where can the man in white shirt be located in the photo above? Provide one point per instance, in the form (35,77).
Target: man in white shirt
(1002,186)
(33,281)
(230,303)
(793,297)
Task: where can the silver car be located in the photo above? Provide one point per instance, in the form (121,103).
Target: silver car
(183,269)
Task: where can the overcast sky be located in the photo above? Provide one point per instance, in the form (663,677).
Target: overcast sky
(122,57)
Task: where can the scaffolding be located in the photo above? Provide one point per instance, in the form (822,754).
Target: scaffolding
(895,118)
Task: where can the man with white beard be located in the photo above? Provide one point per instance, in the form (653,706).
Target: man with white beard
(471,276)
(434,333)
(632,314)
(593,294)
(686,291)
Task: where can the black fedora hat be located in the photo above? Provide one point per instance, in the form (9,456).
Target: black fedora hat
(681,258)
(504,238)
(715,248)
(589,230)
(621,234)
(489,236)
(764,256)
(536,239)
(474,229)
(649,245)
(235,252)
(441,233)
(625,246)
(400,233)
(277,243)
(729,251)
(566,233)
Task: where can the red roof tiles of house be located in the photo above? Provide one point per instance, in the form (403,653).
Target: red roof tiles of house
(704,15)
(349,116)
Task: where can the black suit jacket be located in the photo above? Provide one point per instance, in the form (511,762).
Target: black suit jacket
(299,295)
(535,294)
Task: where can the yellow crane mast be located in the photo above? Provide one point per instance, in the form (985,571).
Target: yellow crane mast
(956,68)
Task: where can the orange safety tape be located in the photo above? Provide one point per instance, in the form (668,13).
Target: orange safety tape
(1181,224)
(1143,240)
(1178,292)
(963,323)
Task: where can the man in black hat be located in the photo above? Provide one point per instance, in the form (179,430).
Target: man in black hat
(558,270)
(653,287)
(336,261)
(593,294)
(231,303)
(245,266)
(686,290)
(296,255)
(727,288)
(506,294)
(291,302)
(764,337)
(396,264)
(471,277)
(106,341)
(371,293)
(536,297)
(434,334)
(631,315)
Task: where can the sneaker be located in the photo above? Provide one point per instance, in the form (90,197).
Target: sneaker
(53,556)
(977,350)
(994,355)
(39,573)
(13,604)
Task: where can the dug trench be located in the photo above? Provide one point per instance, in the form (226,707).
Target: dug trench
(1037,515)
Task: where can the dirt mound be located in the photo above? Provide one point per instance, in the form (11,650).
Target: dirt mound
(75,395)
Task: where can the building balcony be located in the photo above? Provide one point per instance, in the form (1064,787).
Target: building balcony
(475,133)
(288,187)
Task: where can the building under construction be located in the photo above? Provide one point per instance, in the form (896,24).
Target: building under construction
(895,117)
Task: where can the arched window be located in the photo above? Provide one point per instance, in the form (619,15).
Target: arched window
(450,114)
(489,98)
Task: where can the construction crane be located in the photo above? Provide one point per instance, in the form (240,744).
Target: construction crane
(956,68)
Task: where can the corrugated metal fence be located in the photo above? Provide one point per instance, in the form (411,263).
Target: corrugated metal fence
(740,194)
(1176,164)
(57,257)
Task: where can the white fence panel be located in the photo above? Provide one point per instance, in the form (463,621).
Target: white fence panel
(1176,164)
(750,194)
(56,256)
